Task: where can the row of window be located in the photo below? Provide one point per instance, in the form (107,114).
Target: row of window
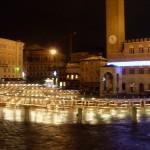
(44,59)
(140,50)
(39,74)
(8,76)
(72,76)
(140,87)
(32,68)
(11,70)
(136,71)
(7,46)
(10,62)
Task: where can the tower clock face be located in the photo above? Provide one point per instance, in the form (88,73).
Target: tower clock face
(112,39)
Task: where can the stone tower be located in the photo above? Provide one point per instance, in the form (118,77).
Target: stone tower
(115,28)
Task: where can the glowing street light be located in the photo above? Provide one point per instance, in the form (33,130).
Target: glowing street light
(53,51)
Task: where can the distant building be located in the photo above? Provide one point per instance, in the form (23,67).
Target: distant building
(73,75)
(11,59)
(90,73)
(73,69)
(82,72)
(40,64)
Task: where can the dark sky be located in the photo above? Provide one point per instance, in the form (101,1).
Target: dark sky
(45,21)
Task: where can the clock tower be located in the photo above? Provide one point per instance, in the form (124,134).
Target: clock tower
(115,28)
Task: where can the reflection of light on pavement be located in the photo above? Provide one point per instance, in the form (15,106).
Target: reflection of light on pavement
(124,110)
(121,116)
(18,115)
(57,119)
(32,116)
(12,114)
(138,115)
(65,116)
(39,117)
(8,114)
(90,117)
(147,111)
(60,117)
(106,118)
(113,112)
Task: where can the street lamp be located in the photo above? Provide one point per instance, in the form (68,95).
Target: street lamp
(53,52)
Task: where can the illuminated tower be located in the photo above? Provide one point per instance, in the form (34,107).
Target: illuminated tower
(115,28)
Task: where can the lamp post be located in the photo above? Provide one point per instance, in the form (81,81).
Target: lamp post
(53,52)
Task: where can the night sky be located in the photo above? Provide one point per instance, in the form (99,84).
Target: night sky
(47,22)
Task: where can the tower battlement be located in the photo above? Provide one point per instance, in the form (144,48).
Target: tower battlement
(138,40)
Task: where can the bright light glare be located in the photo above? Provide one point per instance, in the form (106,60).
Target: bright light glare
(53,51)
(55,73)
(130,63)
(23,74)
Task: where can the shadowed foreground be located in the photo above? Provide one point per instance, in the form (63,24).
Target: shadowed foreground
(25,136)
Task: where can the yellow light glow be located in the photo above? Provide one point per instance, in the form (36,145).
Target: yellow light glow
(77,76)
(68,76)
(72,76)
(17,69)
(53,51)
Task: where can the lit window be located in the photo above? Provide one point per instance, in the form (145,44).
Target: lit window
(64,83)
(77,76)
(68,76)
(72,77)
(60,84)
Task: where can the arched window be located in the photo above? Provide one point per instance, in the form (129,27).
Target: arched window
(141,49)
(131,49)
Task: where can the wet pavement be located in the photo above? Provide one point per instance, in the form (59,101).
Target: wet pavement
(60,130)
